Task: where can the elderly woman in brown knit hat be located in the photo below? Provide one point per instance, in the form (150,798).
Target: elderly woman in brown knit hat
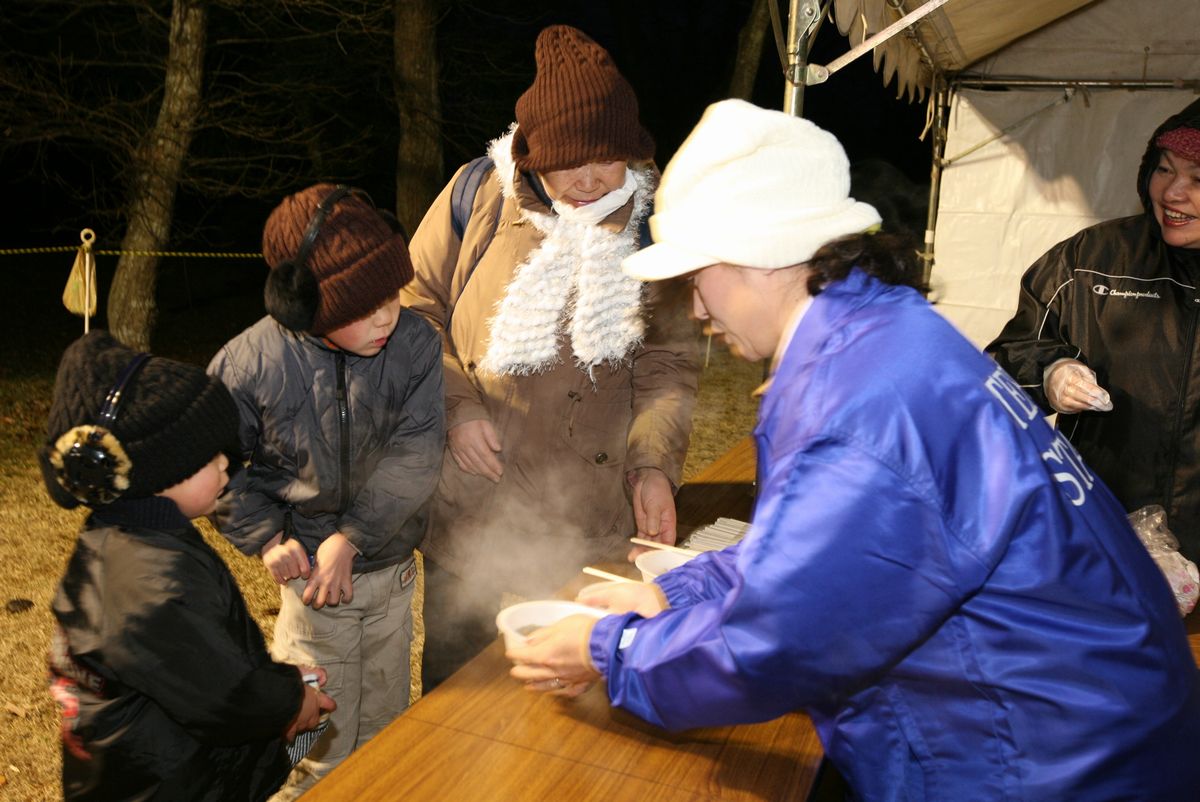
(569,386)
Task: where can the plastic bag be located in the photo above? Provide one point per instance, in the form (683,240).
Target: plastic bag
(1150,523)
(79,297)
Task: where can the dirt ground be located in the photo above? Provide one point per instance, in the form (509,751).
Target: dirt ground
(36,536)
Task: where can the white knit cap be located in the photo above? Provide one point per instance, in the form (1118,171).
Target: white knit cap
(749,187)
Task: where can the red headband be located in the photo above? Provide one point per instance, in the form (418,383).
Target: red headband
(1184,142)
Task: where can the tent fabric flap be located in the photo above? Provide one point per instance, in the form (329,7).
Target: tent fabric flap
(954,36)
(1156,40)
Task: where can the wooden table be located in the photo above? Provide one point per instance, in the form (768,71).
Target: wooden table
(481,736)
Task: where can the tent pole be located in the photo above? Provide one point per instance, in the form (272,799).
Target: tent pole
(818,74)
(968,82)
(941,100)
(803,16)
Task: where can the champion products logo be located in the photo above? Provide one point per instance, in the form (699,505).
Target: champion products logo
(1102,289)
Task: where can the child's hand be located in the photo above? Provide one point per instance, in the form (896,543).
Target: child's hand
(312,707)
(330,580)
(320,672)
(285,561)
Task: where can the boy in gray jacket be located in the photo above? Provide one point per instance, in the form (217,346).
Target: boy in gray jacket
(340,396)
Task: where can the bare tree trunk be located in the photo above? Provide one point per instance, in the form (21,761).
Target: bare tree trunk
(157,166)
(749,52)
(419,156)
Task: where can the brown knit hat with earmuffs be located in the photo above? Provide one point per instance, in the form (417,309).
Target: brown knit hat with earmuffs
(334,259)
(579,109)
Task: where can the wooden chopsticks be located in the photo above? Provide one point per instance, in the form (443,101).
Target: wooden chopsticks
(653,544)
(590,571)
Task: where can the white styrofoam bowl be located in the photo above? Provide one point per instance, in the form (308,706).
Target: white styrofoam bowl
(658,561)
(517,621)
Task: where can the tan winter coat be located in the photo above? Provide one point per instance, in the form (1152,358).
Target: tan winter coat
(567,439)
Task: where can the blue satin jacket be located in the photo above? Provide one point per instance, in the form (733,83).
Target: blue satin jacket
(934,576)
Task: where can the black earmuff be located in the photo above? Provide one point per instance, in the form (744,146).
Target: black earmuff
(89,461)
(292,294)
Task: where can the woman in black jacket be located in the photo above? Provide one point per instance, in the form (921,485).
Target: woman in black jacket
(1105,334)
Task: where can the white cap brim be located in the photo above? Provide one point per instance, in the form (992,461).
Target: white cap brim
(664,260)
(766,246)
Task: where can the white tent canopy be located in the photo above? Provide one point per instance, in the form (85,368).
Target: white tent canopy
(1068,92)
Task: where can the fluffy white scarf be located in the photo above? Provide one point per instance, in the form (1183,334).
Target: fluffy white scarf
(571,284)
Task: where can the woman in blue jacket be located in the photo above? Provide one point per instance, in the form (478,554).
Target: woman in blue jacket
(933,574)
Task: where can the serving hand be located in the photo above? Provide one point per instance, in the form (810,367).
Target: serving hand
(1071,387)
(644,598)
(555,659)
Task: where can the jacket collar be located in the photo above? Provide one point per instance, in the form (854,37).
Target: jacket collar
(821,332)
(152,512)
(821,328)
(321,344)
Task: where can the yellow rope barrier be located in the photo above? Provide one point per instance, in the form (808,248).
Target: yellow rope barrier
(70,248)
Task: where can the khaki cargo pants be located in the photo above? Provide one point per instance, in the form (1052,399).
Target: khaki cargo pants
(364,647)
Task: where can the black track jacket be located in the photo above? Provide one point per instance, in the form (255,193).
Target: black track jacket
(1120,300)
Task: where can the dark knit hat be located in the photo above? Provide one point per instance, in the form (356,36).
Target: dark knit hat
(355,261)
(579,109)
(1183,141)
(1188,117)
(170,421)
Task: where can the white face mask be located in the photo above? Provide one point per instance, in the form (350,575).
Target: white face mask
(600,208)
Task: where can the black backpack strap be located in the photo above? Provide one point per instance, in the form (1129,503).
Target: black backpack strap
(462,197)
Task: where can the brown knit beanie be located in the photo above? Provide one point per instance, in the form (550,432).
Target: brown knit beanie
(579,109)
(357,261)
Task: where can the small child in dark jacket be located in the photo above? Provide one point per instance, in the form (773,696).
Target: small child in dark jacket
(165,685)
(343,426)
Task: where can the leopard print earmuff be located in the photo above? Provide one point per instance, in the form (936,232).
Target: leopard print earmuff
(89,461)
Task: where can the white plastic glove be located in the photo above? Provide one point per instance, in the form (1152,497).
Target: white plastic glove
(1071,387)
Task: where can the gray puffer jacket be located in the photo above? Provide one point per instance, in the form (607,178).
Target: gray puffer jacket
(334,442)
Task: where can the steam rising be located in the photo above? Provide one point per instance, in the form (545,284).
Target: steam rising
(506,548)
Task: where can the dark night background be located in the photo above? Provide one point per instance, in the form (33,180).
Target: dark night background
(677,55)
